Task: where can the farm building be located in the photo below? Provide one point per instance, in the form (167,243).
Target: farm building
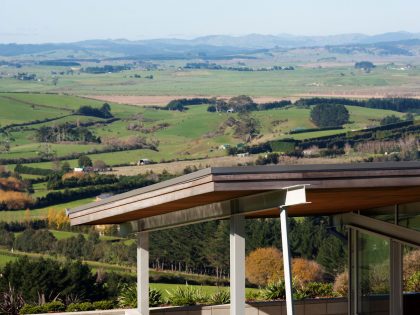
(378,204)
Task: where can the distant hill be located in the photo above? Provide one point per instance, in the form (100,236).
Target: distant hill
(211,47)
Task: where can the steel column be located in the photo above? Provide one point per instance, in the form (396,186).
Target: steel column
(237,265)
(396,278)
(353,291)
(287,260)
(143,273)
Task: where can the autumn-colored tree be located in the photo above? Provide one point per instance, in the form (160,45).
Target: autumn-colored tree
(264,265)
(14,200)
(57,219)
(305,270)
(11,183)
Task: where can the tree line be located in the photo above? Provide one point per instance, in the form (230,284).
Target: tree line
(403,105)
(246,103)
(200,248)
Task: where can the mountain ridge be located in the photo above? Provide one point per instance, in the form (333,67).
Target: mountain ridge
(211,44)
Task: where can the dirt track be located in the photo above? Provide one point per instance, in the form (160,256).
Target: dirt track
(178,167)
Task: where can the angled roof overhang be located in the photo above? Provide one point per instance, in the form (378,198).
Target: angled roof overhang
(331,189)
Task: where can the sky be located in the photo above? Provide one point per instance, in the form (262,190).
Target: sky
(40,21)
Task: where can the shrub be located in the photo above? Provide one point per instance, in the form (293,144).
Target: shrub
(411,262)
(155,297)
(317,289)
(54,306)
(103,305)
(186,295)
(220,297)
(306,270)
(264,265)
(128,296)
(33,309)
(413,283)
(80,307)
(11,301)
(252,295)
(391,119)
(378,279)
(341,284)
(274,291)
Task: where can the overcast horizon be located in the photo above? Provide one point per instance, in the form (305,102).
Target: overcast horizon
(49,21)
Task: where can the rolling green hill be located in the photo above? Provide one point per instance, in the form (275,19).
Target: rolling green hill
(194,133)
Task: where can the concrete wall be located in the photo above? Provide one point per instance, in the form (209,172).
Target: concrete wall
(305,307)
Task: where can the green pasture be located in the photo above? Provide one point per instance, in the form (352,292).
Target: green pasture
(19,215)
(60,235)
(172,81)
(194,133)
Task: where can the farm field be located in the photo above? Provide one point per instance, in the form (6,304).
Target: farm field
(315,79)
(191,134)
(20,215)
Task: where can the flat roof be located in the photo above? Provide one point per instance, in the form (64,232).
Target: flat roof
(333,188)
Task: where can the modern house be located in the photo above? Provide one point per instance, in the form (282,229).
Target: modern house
(377,203)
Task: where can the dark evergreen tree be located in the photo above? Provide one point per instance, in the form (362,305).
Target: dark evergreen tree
(329,115)
(84,161)
(332,255)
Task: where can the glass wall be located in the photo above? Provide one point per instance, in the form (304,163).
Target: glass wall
(385,272)
(411,280)
(409,215)
(373,274)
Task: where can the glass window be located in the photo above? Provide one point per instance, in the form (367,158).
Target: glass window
(386,214)
(409,215)
(411,280)
(373,275)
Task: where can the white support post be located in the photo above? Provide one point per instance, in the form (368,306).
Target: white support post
(143,273)
(237,265)
(287,260)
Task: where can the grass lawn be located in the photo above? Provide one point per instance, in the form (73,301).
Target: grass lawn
(209,290)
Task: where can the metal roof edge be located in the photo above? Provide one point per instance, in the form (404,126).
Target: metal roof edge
(159,185)
(250,170)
